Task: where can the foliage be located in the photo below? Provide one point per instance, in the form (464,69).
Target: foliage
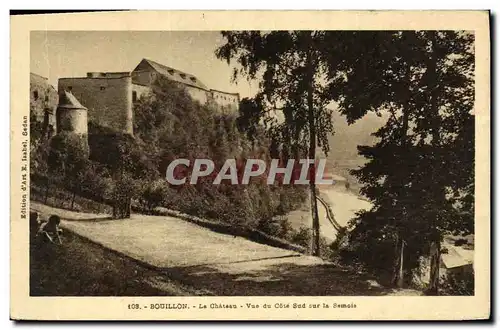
(60,165)
(36,130)
(154,194)
(126,162)
(39,147)
(170,125)
(298,72)
(67,160)
(302,237)
(68,152)
(420,174)
(457,284)
(249,119)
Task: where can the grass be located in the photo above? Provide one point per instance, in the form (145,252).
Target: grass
(61,198)
(166,242)
(81,268)
(194,261)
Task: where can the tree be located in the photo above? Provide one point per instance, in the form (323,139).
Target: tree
(420,174)
(154,194)
(127,162)
(36,130)
(294,70)
(170,125)
(68,161)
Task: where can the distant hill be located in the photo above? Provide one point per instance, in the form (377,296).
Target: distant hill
(343,155)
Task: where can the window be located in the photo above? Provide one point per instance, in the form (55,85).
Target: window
(35,95)
(103,88)
(171,71)
(46,118)
(193,79)
(134,96)
(183,76)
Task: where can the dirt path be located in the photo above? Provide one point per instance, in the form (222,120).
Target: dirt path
(151,255)
(166,242)
(344,206)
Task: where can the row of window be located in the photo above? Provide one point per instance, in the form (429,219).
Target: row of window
(134,93)
(172,72)
(227,98)
(70,88)
(35,96)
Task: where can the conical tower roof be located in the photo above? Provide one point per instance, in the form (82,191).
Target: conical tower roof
(69,101)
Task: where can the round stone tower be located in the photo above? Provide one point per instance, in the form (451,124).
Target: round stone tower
(71,116)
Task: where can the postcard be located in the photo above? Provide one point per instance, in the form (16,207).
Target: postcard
(250,165)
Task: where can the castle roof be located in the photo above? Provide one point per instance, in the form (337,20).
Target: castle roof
(68,101)
(40,80)
(37,76)
(173,74)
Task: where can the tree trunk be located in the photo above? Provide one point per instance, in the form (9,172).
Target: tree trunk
(118,195)
(116,202)
(315,217)
(129,208)
(397,273)
(46,191)
(435,244)
(312,154)
(435,254)
(73,200)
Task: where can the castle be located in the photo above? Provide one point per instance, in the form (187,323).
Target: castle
(43,102)
(109,97)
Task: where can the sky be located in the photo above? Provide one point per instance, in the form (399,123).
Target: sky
(58,54)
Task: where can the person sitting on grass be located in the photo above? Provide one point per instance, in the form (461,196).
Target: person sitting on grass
(51,231)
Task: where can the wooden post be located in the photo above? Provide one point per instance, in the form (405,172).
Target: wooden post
(401,277)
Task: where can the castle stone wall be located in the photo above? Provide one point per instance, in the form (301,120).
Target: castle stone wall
(144,78)
(108,100)
(139,91)
(72,120)
(198,94)
(147,77)
(43,98)
(226,102)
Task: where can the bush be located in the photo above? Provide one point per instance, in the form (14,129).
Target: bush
(457,284)
(285,228)
(154,194)
(302,237)
(169,125)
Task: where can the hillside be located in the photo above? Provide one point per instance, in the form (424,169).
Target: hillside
(343,155)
